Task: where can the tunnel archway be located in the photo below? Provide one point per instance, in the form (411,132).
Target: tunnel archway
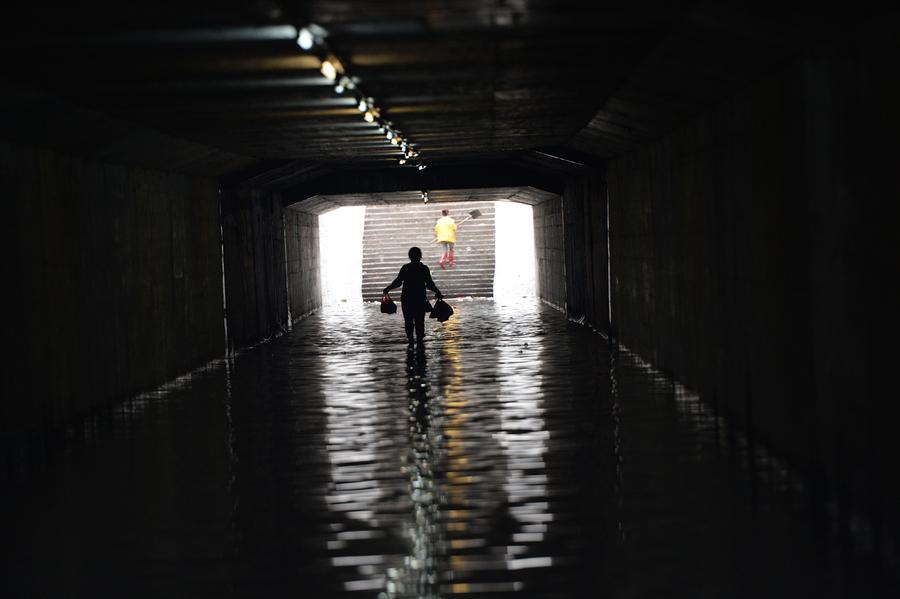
(396,220)
(272,283)
(361,248)
(547,224)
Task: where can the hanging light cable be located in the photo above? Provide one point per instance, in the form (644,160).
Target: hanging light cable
(312,39)
(305,39)
(328,70)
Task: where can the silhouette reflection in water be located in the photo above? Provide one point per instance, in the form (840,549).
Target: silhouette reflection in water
(418,575)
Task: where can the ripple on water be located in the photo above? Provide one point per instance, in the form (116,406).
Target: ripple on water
(513,455)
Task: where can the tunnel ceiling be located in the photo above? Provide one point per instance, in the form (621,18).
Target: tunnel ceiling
(465,80)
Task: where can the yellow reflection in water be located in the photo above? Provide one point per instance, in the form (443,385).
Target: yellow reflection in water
(456,406)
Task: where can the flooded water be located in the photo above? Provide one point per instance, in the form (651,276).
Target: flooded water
(516,455)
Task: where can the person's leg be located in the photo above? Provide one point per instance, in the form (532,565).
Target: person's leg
(450,254)
(408,321)
(420,325)
(443,254)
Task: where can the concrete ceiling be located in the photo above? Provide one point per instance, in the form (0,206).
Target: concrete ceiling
(225,84)
(526,195)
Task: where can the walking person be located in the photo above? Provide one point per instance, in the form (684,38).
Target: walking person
(445,231)
(415,278)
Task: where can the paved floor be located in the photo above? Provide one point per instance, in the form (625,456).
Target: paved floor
(514,456)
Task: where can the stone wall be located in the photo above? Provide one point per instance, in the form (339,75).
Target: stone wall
(584,210)
(750,252)
(113,283)
(255,276)
(301,231)
(550,253)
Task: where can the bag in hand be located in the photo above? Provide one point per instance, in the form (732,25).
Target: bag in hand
(428,306)
(441,311)
(387,304)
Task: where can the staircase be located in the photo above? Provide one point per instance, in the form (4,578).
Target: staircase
(390,230)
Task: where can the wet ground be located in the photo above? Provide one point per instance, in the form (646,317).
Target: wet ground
(516,455)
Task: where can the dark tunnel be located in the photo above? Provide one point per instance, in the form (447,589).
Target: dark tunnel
(698,402)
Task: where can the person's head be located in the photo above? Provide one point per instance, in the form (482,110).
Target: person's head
(415,254)
(445,212)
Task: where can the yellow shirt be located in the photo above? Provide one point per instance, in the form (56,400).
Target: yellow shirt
(445,230)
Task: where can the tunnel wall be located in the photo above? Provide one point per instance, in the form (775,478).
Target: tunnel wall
(114,283)
(550,253)
(748,254)
(255,278)
(584,216)
(301,230)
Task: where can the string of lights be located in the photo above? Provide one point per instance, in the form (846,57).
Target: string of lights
(312,38)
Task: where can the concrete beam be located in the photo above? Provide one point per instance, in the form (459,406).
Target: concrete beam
(498,173)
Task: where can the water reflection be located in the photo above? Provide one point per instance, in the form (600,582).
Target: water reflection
(418,575)
(360,431)
(523,436)
(515,455)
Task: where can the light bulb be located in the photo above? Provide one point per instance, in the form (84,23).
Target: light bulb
(369,117)
(363,106)
(389,134)
(402,161)
(422,167)
(305,39)
(328,70)
(395,141)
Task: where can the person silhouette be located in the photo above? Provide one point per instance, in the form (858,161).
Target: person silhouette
(415,278)
(445,234)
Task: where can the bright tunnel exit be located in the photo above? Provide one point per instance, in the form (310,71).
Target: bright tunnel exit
(341,247)
(514,278)
(340,254)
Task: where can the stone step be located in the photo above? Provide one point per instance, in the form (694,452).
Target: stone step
(390,231)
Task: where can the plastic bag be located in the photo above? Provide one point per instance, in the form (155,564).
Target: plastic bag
(387,304)
(428,306)
(441,311)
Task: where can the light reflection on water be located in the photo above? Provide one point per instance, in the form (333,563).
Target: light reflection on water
(473,458)
(515,455)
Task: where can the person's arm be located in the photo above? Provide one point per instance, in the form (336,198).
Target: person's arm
(396,283)
(429,283)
